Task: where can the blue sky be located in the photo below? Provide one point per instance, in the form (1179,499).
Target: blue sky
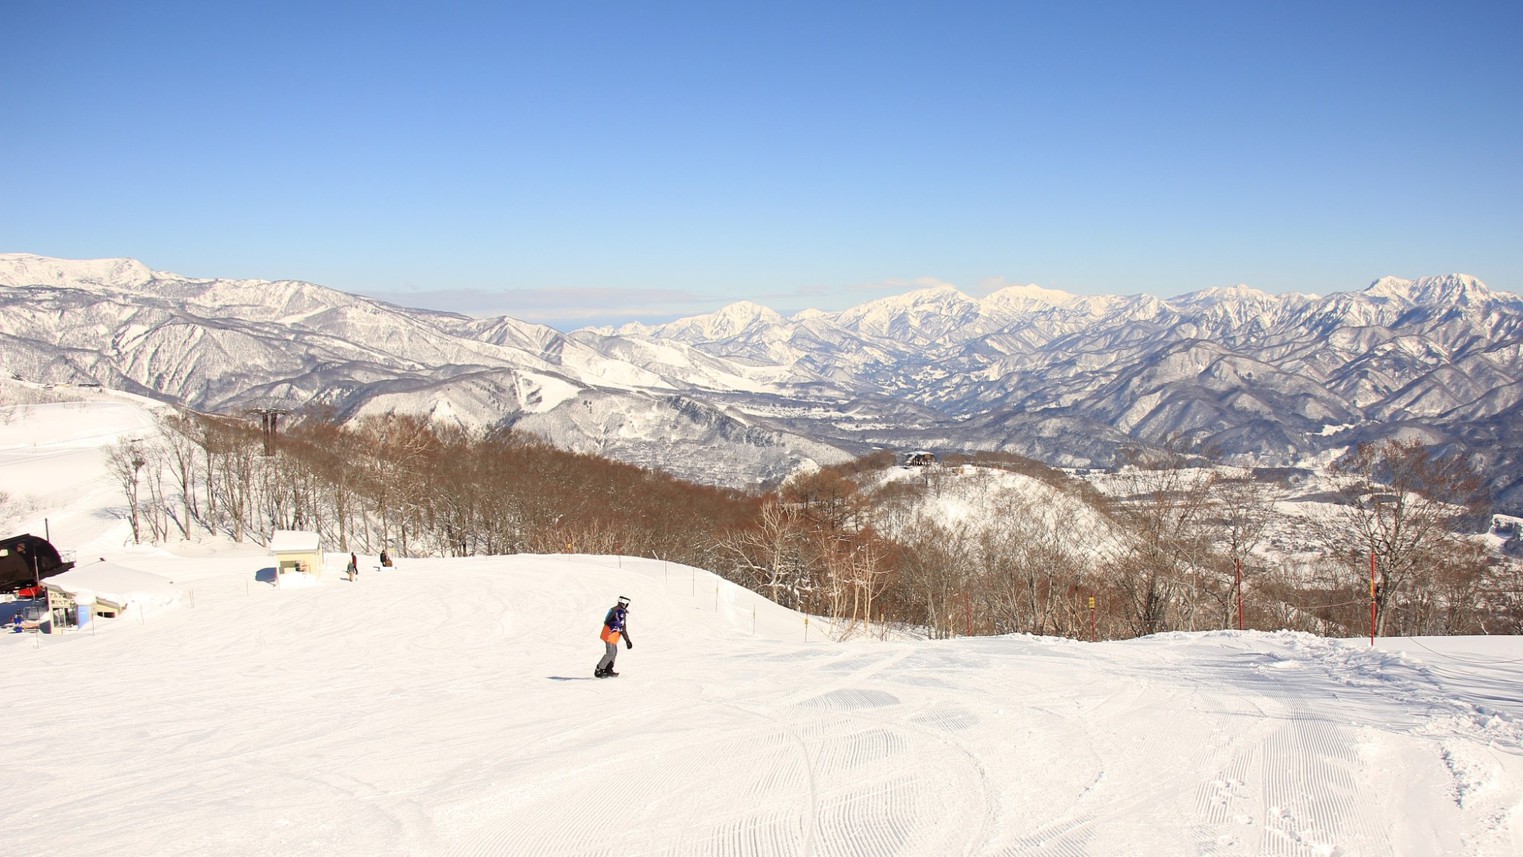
(578,163)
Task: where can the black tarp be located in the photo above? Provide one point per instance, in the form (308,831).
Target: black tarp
(26,559)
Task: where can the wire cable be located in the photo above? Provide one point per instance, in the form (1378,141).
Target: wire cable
(1459,658)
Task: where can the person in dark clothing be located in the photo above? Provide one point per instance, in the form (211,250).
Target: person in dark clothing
(615,628)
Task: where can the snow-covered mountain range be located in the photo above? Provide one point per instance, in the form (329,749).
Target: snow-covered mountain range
(743,394)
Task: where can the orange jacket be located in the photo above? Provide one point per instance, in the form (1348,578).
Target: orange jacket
(613,626)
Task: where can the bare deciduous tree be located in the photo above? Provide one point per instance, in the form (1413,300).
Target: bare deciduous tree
(1402,505)
(1165,568)
(125,461)
(1242,509)
(179,431)
(774,554)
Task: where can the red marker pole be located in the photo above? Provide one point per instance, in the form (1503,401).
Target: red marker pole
(967,607)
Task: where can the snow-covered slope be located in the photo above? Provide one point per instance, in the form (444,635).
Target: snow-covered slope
(446,707)
(53,466)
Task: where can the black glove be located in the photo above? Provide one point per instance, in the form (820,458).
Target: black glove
(628,643)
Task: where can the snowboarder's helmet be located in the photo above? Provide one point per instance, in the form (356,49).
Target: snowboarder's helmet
(623,601)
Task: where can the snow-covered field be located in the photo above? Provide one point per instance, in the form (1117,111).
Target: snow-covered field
(447,708)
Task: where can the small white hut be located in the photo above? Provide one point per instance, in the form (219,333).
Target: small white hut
(297,550)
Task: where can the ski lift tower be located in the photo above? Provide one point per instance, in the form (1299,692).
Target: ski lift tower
(269,419)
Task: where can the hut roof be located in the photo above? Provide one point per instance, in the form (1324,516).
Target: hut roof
(104,581)
(294,541)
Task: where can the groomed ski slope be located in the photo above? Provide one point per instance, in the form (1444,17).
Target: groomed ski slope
(447,708)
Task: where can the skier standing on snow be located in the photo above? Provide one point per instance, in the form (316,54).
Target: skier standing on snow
(615,627)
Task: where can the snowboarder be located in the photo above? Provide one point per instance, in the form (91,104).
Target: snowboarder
(354,567)
(385,559)
(615,628)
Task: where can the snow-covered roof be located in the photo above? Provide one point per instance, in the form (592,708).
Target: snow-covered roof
(293,541)
(104,581)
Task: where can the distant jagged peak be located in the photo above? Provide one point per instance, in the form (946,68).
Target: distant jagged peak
(725,322)
(933,297)
(1029,297)
(286,297)
(935,290)
(507,330)
(1240,293)
(748,311)
(1447,289)
(632,328)
(27,269)
(930,293)
(1140,304)
(1389,286)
